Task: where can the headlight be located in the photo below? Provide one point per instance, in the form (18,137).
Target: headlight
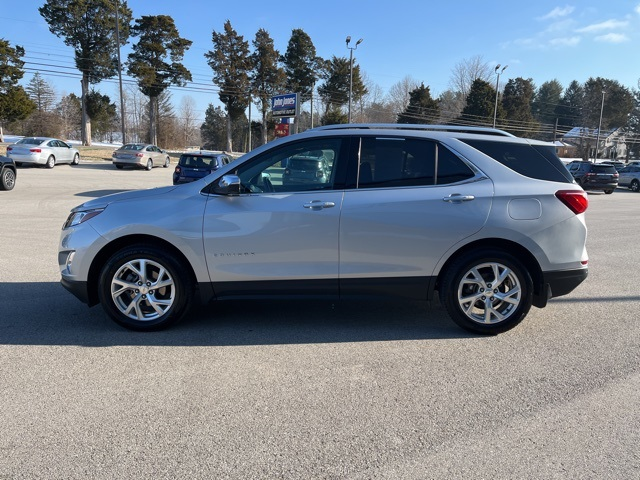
(76,218)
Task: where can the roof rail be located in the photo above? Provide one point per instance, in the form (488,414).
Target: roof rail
(416,126)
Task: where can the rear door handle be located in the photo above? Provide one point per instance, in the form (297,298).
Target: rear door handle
(319,205)
(457,198)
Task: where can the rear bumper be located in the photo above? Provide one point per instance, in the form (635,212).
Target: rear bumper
(559,283)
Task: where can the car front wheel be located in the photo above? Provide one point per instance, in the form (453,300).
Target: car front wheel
(8,179)
(76,159)
(487,291)
(167,161)
(144,288)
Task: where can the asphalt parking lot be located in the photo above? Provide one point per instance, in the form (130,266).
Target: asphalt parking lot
(301,389)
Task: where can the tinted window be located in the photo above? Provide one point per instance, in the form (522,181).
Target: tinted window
(198,161)
(399,162)
(610,169)
(29,141)
(535,162)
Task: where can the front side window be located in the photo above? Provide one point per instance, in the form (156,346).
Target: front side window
(400,162)
(300,166)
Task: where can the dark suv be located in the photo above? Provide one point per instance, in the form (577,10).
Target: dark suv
(595,176)
(195,165)
(7,173)
(307,168)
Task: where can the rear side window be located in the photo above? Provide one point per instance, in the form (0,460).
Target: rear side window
(537,162)
(405,162)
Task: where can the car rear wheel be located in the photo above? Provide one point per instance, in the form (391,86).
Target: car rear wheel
(51,162)
(608,192)
(144,288)
(119,167)
(149,164)
(635,186)
(8,179)
(487,291)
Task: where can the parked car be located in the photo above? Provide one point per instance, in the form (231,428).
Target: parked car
(8,173)
(493,223)
(595,176)
(42,151)
(630,177)
(195,165)
(140,155)
(616,164)
(307,168)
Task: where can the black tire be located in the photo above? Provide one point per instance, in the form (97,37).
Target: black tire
(133,308)
(119,167)
(167,162)
(635,186)
(608,192)
(149,165)
(460,283)
(76,159)
(7,179)
(51,162)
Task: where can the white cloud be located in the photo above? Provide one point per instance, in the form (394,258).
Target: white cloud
(558,12)
(608,25)
(565,41)
(612,38)
(637,9)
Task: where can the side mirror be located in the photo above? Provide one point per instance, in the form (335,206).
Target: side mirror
(227,185)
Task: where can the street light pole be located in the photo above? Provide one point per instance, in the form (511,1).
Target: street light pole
(122,119)
(495,108)
(599,127)
(351,49)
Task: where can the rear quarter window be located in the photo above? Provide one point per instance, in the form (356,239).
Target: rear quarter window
(533,161)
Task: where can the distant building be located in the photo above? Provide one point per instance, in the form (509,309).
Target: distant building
(612,143)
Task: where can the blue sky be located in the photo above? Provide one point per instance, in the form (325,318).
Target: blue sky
(423,39)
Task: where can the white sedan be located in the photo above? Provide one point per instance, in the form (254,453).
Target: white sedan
(43,151)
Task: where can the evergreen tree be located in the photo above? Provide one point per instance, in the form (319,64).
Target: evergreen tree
(546,100)
(569,110)
(479,108)
(422,108)
(41,93)
(103,113)
(231,64)
(15,104)
(155,61)
(213,130)
(618,103)
(516,102)
(301,64)
(89,28)
(267,78)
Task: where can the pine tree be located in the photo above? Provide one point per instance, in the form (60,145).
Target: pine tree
(301,64)
(267,77)
(155,61)
(15,104)
(516,102)
(231,64)
(479,108)
(89,28)
(422,108)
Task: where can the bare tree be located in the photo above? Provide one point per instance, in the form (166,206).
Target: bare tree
(187,118)
(399,94)
(466,71)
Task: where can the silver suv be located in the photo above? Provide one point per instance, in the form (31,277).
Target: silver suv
(491,222)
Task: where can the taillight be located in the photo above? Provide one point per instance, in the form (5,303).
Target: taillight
(576,200)
(139,154)
(178,169)
(9,149)
(35,150)
(616,175)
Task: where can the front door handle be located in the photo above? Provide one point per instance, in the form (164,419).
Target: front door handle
(319,205)
(457,198)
